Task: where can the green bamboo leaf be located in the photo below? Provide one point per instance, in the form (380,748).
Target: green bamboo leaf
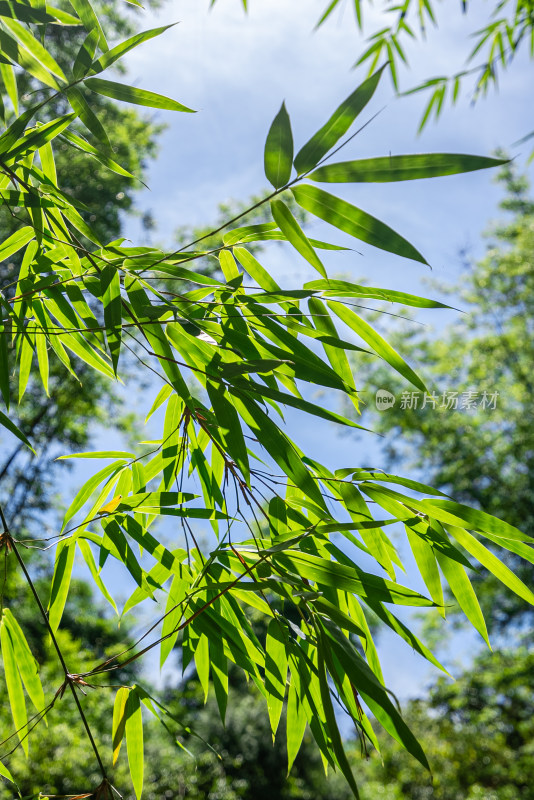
(295,725)
(173,615)
(84,493)
(336,355)
(82,108)
(463,516)
(14,132)
(100,454)
(6,773)
(134,741)
(88,557)
(379,345)
(202,663)
(294,402)
(427,565)
(350,579)
(219,676)
(228,266)
(90,21)
(63,17)
(16,242)
(35,47)
(80,224)
(378,475)
(295,235)
(25,59)
(125,553)
(15,691)
(326,137)
(25,361)
(85,147)
(60,582)
(229,426)
(373,692)
(4,361)
(46,157)
(12,428)
(10,82)
(332,726)
(328,11)
(526,551)
(130,94)
(279,447)
(84,59)
(405,633)
(460,585)
(268,231)
(278,155)
(26,662)
(491,562)
(110,287)
(109,58)
(255,269)
(332,288)
(119,721)
(243,234)
(402,168)
(275,671)
(354,221)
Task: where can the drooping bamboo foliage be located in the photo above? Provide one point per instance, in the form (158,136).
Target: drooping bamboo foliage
(230,352)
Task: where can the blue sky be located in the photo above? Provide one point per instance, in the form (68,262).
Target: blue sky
(236,69)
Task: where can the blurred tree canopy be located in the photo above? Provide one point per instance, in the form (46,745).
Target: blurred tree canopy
(478,733)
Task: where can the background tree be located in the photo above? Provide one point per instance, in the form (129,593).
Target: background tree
(477,733)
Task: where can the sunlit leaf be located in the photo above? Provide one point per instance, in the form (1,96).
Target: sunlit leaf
(354,221)
(130,94)
(278,155)
(326,137)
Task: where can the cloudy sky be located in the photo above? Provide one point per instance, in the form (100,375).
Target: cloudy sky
(236,69)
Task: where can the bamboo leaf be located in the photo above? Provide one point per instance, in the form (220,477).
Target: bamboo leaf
(275,671)
(130,94)
(60,582)
(402,168)
(110,288)
(491,562)
(295,235)
(35,47)
(354,221)
(111,56)
(90,21)
(85,492)
(26,662)
(278,156)
(15,691)
(379,345)
(82,108)
(119,721)
(12,428)
(134,741)
(90,561)
(326,137)
(350,579)
(295,725)
(460,585)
